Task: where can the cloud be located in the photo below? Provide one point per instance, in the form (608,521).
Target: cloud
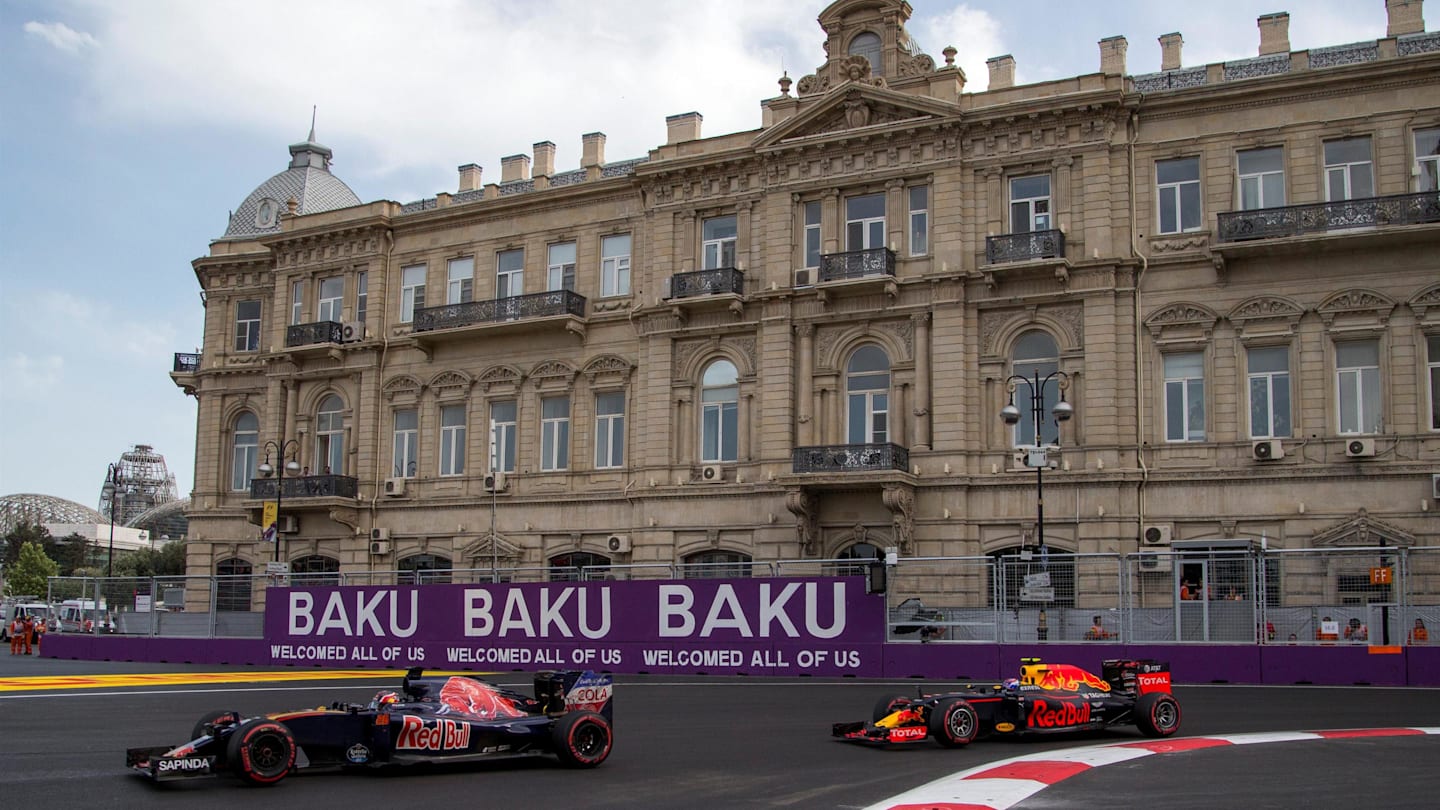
(27,377)
(61,37)
(975,35)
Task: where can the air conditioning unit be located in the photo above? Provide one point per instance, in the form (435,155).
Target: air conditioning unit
(289,524)
(1267,450)
(1360,448)
(378,533)
(1435,486)
(379,547)
(1151,562)
(1156,534)
(352,331)
(495,482)
(394,487)
(803,278)
(618,543)
(712,474)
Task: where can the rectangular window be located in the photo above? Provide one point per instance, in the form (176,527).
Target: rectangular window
(1427,160)
(412,291)
(1262,178)
(1185,397)
(1269,378)
(1357,371)
(719,427)
(560,267)
(919,220)
(1177,190)
(407,443)
(812,234)
(1432,344)
(362,295)
(865,222)
(509,273)
(502,436)
(297,303)
(555,433)
(1030,203)
(719,234)
(332,298)
(460,281)
(1349,174)
(615,265)
(247,326)
(609,430)
(452,440)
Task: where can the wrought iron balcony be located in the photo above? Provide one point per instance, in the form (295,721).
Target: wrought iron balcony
(1294,220)
(717,281)
(1024,247)
(186,363)
(857,264)
(313,334)
(499,310)
(851,457)
(306,486)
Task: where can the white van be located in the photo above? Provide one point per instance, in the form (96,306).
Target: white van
(80,616)
(24,606)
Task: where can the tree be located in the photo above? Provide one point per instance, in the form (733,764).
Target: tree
(168,561)
(31,570)
(24,532)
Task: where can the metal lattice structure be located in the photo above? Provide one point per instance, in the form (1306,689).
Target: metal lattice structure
(144,483)
(166,520)
(29,507)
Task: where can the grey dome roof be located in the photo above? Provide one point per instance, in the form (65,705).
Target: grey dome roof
(308,181)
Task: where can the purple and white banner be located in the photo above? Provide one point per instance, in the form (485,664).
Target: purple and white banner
(784,626)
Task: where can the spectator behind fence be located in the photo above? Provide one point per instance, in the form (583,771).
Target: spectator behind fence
(1355,631)
(1233,595)
(1418,633)
(1097,631)
(1187,591)
(1329,630)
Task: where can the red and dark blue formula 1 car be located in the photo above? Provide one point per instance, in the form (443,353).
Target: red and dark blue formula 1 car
(431,719)
(1045,699)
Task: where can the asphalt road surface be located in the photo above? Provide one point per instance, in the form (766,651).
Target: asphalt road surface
(706,742)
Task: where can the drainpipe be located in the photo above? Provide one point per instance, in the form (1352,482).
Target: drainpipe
(1139,353)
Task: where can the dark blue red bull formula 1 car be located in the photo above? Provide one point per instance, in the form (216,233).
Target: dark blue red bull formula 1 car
(1045,699)
(430,719)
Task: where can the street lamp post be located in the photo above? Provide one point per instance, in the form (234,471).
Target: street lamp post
(1036,457)
(112,491)
(288,446)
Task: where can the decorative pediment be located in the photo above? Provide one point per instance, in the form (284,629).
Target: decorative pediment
(1426,306)
(1181,321)
(1266,315)
(858,108)
(1362,531)
(608,370)
(404,388)
(1356,308)
(451,384)
(499,376)
(552,374)
(483,549)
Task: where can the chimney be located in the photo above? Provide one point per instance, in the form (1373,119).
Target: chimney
(1002,72)
(1170,51)
(1112,55)
(1404,17)
(682,127)
(469,177)
(592,149)
(544,159)
(514,167)
(1274,33)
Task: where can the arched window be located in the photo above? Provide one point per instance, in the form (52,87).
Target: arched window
(571,567)
(316,569)
(868,46)
(1035,353)
(717,565)
(422,569)
(330,437)
(719,412)
(232,585)
(862,553)
(245,453)
(867,387)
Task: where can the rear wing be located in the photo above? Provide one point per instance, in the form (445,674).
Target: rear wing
(1138,676)
(564,691)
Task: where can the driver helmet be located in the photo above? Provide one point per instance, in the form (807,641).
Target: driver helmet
(386,699)
(1012,684)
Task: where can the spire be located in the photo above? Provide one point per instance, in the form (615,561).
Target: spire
(313,109)
(310,153)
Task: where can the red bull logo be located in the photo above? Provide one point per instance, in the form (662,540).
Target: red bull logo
(441,735)
(1065,677)
(1058,714)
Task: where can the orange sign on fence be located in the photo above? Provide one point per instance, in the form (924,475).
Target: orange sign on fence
(1381,576)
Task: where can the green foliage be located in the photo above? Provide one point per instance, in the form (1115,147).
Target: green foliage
(31,570)
(20,535)
(168,561)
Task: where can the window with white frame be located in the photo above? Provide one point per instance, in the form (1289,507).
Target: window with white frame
(297,303)
(615,265)
(718,236)
(332,299)
(867,44)
(867,396)
(406,443)
(330,437)
(245,451)
(1030,203)
(1432,346)
(1268,370)
(1349,172)
(812,234)
(555,433)
(460,280)
(560,267)
(362,295)
(1036,356)
(1185,397)
(247,326)
(502,436)
(919,220)
(1177,191)
(610,430)
(412,291)
(719,412)
(1427,160)
(509,273)
(1357,384)
(452,440)
(1262,177)
(865,222)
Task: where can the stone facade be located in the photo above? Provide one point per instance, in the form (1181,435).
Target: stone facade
(963,237)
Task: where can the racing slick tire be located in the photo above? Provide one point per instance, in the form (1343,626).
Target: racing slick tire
(1157,714)
(206,719)
(888,705)
(953,723)
(261,751)
(582,739)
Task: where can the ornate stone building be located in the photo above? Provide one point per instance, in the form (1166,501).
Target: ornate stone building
(796,342)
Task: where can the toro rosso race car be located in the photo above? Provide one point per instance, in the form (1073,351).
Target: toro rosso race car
(431,719)
(1045,699)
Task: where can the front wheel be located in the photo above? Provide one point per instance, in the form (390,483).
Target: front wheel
(954,723)
(1157,714)
(582,739)
(888,705)
(261,751)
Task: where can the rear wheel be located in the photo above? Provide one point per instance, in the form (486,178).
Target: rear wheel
(1157,714)
(886,706)
(261,752)
(954,723)
(582,739)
